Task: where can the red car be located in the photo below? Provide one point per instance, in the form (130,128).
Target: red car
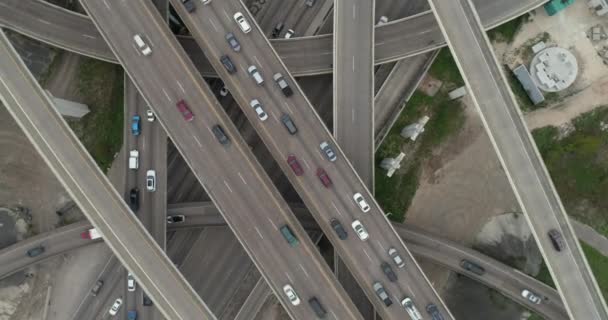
(325,180)
(295,165)
(185,110)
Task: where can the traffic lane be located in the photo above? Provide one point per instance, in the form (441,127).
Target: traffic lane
(185,88)
(247,82)
(535,200)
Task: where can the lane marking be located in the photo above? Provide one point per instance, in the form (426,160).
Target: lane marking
(258,62)
(43,21)
(289,277)
(240,176)
(180,86)
(89,36)
(199,143)
(306,164)
(166,95)
(338,211)
(354,12)
(367,254)
(272,223)
(353,114)
(380,244)
(304,270)
(353,63)
(227,186)
(287,106)
(213,24)
(411,291)
(106,3)
(259,233)
(227,15)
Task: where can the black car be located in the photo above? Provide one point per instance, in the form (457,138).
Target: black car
(470,266)
(230,67)
(189,5)
(277,29)
(288,123)
(134,199)
(178,218)
(339,229)
(34,252)
(432,310)
(220,135)
(388,271)
(96,288)
(556,239)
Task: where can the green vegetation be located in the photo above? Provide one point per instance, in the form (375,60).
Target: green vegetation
(444,68)
(506,31)
(446,117)
(535,316)
(101,131)
(577,164)
(544,276)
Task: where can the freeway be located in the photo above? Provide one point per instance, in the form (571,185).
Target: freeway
(525,169)
(209,28)
(226,169)
(304,56)
(499,276)
(353,84)
(90,189)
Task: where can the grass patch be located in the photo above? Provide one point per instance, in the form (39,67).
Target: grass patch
(101,131)
(544,276)
(395,194)
(507,31)
(577,164)
(444,68)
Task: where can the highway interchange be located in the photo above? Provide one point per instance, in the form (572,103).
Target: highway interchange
(309,135)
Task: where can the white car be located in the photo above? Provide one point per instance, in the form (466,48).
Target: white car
(392,252)
(289,34)
(130,282)
(151,180)
(141,45)
(115,307)
(291,295)
(150,115)
(360,230)
(133,159)
(224,91)
(382,21)
(242,22)
(361,202)
(255,104)
(530,296)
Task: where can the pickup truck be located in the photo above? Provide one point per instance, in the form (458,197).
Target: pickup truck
(90,234)
(133,159)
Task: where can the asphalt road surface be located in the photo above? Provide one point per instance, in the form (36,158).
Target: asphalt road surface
(227,172)
(517,152)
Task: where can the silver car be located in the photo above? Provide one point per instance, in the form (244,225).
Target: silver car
(360,230)
(233,42)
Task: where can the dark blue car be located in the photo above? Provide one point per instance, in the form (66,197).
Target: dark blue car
(135,125)
(132,315)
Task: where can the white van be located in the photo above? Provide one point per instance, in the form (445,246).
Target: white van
(253,71)
(133,159)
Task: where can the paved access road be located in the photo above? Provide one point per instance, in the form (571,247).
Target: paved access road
(91,190)
(230,174)
(353,89)
(209,26)
(304,56)
(517,152)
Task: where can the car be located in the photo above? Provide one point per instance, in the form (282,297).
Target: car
(134,199)
(289,33)
(324,177)
(141,45)
(472,267)
(255,74)
(360,230)
(288,123)
(361,202)
(189,5)
(433,311)
(289,236)
(220,135)
(242,22)
(178,218)
(133,159)
(206,1)
(255,104)
(388,271)
(382,20)
(130,282)
(382,294)
(36,251)
(150,115)
(285,88)
(135,125)
(132,315)
(224,91)
(90,234)
(295,165)
(291,295)
(184,109)
(115,307)
(411,309)
(227,63)
(392,252)
(151,180)
(147,301)
(317,307)
(530,296)
(233,42)
(328,151)
(310,3)
(276,31)
(96,288)
(339,229)
(556,239)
